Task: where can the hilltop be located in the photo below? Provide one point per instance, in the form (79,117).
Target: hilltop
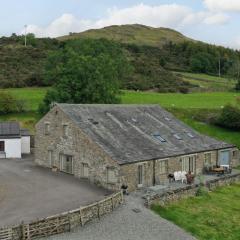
(132,34)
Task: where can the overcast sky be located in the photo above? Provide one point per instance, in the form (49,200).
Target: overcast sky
(214,21)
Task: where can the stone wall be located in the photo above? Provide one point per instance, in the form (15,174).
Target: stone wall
(75,144)
(151,170)
(184,192)
(63,222)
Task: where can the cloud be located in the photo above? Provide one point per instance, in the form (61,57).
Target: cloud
(165,15)
(223,5)
(218,18)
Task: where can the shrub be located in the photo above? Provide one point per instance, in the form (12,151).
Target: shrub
(230,117)
(9,104)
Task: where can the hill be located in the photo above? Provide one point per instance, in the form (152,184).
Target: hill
(154,53)
(132,34)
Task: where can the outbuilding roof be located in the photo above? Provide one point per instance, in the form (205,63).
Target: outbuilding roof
(132,133)
(9,129)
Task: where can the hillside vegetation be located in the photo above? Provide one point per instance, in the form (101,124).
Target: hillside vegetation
(132,34)
(154,53)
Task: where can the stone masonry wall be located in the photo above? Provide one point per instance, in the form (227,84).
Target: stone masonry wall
(184,192)
(77,145)
(130,171)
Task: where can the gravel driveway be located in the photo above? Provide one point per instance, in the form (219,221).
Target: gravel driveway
(126,224)
(29,192)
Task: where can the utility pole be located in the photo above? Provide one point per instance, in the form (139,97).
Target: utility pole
(25,26)
(219,67)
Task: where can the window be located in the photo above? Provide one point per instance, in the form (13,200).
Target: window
(140,175)
(208,158)
(235,154)
(189,163)
(65,130)
(163,166)
(47,128)
(111,177)
(50,158)
(190,135)
(2,146)
(159,138)
(85,170)
(66,163)
(177,137)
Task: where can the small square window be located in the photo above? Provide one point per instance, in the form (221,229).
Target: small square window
(235,153)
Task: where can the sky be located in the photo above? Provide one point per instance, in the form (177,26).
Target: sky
(213,21)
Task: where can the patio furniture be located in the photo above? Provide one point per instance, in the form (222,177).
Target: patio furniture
(218,170)
(190,178)
(180,176)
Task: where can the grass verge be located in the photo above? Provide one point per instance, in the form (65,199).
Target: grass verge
(214,216)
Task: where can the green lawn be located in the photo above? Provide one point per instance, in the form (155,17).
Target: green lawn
(32,96)
(173,102)
(213,100)
(213,217)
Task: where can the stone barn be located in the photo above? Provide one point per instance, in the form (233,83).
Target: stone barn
(138,145)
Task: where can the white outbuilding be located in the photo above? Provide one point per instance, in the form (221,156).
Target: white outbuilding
(14,141)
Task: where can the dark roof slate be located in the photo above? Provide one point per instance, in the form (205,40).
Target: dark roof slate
(9,129)
(132,133)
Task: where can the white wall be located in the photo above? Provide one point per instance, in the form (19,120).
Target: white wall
(13,148)
(26,149)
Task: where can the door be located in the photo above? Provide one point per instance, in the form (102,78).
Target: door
(140,175)
(50,158)
(2,149)
(66,164)
(224,158)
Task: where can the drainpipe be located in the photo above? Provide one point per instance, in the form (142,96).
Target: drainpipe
(154,173)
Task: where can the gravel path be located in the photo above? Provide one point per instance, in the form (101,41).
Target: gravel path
(125,224)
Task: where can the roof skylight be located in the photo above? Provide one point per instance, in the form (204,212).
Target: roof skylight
(159,137)
(177,137)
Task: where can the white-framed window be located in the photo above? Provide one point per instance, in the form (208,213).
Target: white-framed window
(208,158)
(47,128)
(85,170)
(65,130)
(163,166)
(50,158)
(189,163)
(111,176)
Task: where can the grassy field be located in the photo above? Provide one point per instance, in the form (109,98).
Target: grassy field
(34,96)
(208,82)
(215,100)
(214,216)
(178,104)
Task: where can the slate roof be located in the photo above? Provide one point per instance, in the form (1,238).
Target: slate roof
(132,133)
(9,129)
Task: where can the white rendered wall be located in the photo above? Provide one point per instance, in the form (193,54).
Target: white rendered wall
(26,149)
(12,148)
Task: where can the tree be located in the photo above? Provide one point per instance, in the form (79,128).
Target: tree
(85,71)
